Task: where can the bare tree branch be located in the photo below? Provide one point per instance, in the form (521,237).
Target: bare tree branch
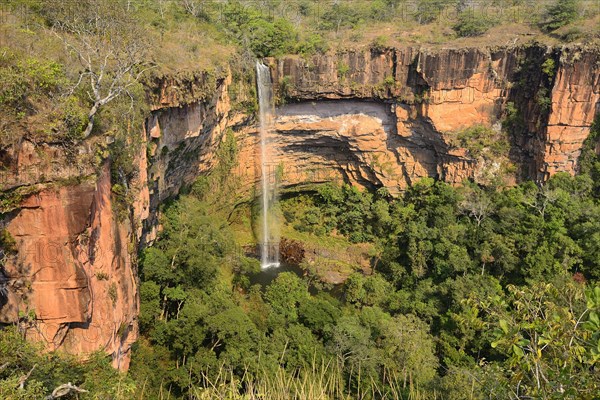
(108,44)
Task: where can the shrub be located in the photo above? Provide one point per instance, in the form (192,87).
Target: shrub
(430,10)
(112,293)
(380,44)
(480,139)
(472,24)
(314,43)
(286,87)
(342,70)
(7,242)
(543,99)
(271,38)
(341,15)
(573,34)
(23,78)
(561,13)
(549,67)
(102,276)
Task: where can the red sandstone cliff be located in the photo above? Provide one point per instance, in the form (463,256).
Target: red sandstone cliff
(445,91)
(71,282)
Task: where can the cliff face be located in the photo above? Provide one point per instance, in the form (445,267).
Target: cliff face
(372,118)
(181,139)
(71,276)
(71,283)
(554,92)
(575,100)
(388,118)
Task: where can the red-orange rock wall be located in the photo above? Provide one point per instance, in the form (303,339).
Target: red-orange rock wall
(72,284)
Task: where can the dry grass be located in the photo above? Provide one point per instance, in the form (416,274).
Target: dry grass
(515,28)
(189,47)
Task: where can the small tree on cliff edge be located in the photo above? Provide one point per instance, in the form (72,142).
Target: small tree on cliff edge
(108,43)
(561,13)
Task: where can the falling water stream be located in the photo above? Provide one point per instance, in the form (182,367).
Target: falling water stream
(270,238)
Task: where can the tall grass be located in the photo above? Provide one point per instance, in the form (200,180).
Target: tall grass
(318,381)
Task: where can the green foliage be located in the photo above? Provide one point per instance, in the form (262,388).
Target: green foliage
(480,140)
(357,215)
(32,89)
(8,244)
(271,38)
(112,293)
(435,303)
(550,338)
(11,199)
(430,10)
(46,371)
(380,43)
(589,161)
(183,256)
(24,78)
(72,119)
(285,295)
(340,15)
(513,119)
(549,67)
(219,183)
(573,34)
(262,35)
(471,23)
(543,99)
(559,14)
(342,70)
(469,292)
(312,44)
(102,276)
(286,86)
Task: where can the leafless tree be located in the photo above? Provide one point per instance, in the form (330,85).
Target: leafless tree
(541,199)
(108,43)
(477,205)
(194,7)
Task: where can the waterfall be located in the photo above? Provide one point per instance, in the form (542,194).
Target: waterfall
(269,255)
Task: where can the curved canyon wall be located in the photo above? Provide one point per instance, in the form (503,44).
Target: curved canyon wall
(445,91)
(372,118)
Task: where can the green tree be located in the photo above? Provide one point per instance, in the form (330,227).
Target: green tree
(285,295)
(473,23)
(550,334)
(559,14)
(409,349)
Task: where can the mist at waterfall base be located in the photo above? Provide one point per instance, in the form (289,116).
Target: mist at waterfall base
(269,241)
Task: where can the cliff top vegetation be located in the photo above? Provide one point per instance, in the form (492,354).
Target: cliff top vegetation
(63,64)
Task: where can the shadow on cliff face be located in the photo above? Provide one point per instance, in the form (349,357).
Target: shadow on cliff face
(317,137)
(15,290)
(335,150)
(334,153)
(337,108)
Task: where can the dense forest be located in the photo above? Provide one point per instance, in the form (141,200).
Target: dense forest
(471,292)
(476,293)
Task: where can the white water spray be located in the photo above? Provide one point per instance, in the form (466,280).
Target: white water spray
(269,256)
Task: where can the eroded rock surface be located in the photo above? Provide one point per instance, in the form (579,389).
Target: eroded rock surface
(71,282)
(453,89)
